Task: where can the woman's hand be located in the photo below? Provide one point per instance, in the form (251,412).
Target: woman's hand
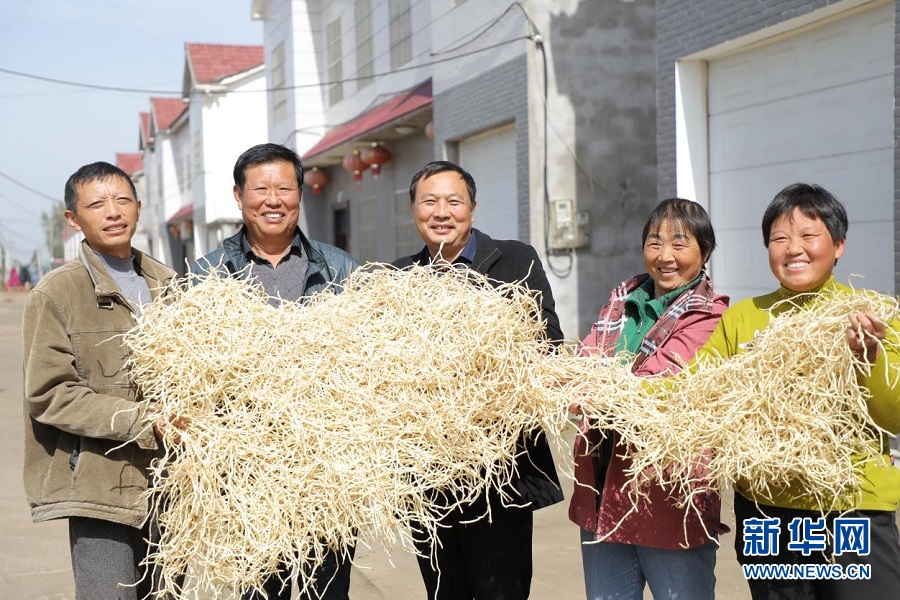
(864,333)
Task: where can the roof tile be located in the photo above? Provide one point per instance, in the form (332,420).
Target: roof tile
(130,162)
(210,63)
(166,110)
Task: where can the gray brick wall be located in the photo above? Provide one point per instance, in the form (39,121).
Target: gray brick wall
(494,98)
(687,26)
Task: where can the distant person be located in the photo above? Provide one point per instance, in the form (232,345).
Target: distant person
(476,557)
(271,250)
(87,445)
(13,281)
(657,319)
(25,277)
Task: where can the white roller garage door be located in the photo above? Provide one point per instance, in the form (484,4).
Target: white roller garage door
(491,159)
(816,107)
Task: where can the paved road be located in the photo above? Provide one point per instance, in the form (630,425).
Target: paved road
(34,558)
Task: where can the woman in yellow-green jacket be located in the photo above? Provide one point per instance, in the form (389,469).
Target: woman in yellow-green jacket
(804,229)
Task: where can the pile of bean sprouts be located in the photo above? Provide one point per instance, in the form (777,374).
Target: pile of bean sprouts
(310,426)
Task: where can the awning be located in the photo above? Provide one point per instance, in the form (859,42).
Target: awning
(396,111)
(184,213)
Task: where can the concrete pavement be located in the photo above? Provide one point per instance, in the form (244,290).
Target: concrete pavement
(34,558)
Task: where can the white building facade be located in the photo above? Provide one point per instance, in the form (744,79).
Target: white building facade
(550,105)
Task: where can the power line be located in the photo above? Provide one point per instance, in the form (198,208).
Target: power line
(17,205)
(110,88)
(90,86)
(30,189)
(21,236)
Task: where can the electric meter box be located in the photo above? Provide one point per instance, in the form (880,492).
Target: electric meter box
(569,229)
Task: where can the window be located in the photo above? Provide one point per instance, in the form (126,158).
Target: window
(278,98)
(365,61)
(335,66)
(401,33)
(407,236)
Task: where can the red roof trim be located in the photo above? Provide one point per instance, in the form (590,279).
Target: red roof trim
(182,215)
(399,106)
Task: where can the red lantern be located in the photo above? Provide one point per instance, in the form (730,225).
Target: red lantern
(376,156)
(316,179)
(429,130)
(355,164)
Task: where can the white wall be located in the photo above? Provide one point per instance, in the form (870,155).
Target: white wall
(462,30)
(356,101)
(231,123)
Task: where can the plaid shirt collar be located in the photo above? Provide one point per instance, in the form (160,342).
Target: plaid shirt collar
(612,318)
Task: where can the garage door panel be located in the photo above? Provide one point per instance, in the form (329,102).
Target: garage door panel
(856,179)
(832,125)
(804,127)
(737,261)
(843,52)
(740,198)
(869,252)
(491,159)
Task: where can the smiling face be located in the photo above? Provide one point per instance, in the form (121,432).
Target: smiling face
(802,253)
(443,213)
(672,257)
(106,212)
(270,203)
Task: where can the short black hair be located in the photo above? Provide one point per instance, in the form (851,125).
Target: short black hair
(441,166)
(262,154)
(689,215)
(98,171)
(815,202)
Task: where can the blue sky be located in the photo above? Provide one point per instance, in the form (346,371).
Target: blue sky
(48,130)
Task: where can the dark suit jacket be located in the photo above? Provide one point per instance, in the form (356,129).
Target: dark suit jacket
(510,261)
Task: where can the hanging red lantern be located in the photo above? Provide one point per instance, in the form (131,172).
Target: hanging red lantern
(376,156)
(354,163)
(429,130)
(316,179)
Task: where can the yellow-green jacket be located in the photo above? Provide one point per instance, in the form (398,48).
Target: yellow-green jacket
(880,482)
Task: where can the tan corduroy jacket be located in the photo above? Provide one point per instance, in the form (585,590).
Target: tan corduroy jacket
(87,448)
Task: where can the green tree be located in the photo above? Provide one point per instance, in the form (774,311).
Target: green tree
(53,222)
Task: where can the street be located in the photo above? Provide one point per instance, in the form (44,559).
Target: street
(34,560)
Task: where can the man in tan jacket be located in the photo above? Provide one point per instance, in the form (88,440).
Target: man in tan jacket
(87,446)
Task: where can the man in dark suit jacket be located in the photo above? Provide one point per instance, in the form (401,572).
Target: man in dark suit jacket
(475,558)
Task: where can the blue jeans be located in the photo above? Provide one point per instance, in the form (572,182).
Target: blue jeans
(619,571)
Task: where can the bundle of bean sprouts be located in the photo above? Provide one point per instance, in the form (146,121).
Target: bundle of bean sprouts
(309,426)
(789,414)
